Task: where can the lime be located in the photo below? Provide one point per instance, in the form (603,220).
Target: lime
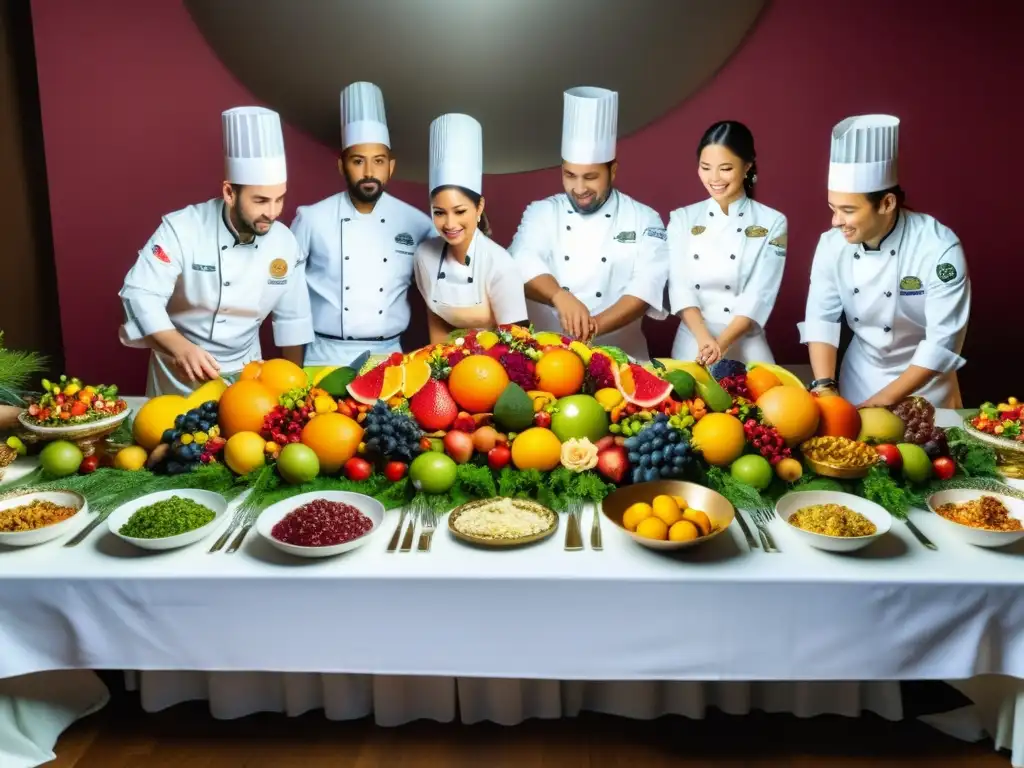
(752,470)
(433,472)
(298,463)
(60,458)
(579,416)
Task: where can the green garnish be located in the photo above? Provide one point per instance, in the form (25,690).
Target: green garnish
(170,517)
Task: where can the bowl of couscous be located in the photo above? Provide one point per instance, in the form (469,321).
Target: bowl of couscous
(833,521)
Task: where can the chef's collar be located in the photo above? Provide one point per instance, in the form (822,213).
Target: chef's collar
(349,210)
(890,242)
(609,207)
(737,207)
(225,221)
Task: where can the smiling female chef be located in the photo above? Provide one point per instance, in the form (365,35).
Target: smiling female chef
(899,276)
(727,255)
(212,272)
(467,280)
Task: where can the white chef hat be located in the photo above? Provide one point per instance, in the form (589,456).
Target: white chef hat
(864,154)
(363,120)
(590,121)
(457,153)
(253,146)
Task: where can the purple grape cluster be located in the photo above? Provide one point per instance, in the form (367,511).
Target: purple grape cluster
(919,417)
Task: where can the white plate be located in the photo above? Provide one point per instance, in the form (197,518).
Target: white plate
(212,501)
(49,532)
(42,431)
(979,537)
(273,514)
(792,502)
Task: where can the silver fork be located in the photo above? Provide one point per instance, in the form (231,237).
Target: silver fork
(428,522)
(414,514)
(762,518)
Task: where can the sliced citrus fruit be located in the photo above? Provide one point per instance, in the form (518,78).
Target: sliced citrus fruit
(382,381)
(641,387)
(417,373)
(394,378)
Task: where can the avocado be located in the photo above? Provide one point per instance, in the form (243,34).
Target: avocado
(716,398)
(683,384)
(335,382)
(514,410)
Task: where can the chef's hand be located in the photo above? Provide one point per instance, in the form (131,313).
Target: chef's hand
(878,400)
(196,363)
(708,351)
(573,314)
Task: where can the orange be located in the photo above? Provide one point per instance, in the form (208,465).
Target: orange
(251,371)
(334,439)
(839,417)
(683,530)
(394,378)
(760,380)
(280,375)
(244,452)
(477,382)
(720,438)
(560,372)
(536,448)
(792,411)
(243,406)
(652,528)
(417,373)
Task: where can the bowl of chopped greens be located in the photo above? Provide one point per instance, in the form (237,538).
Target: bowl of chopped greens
(168,519)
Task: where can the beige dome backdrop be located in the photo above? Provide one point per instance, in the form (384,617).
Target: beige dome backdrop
(505,62)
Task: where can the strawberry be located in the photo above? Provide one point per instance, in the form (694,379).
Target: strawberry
(433,406)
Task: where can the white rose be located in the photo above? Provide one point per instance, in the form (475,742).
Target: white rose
(579,455)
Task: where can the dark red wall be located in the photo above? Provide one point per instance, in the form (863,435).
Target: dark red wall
(131,97)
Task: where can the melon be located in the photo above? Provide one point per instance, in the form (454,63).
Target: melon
(155,417)
(641,387)
(382,381)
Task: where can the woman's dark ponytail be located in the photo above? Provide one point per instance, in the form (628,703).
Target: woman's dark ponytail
(750,180)
(485,224)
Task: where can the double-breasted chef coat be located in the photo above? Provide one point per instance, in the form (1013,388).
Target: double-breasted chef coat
(907,302)
(485,292)
(618,250)
(196,277)
(359,268)
(727,265)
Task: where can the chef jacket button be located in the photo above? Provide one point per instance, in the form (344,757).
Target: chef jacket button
(604,258)
(697,287)
(607,215)
(567,257)
(382,221)
(728,287)
(726,309)
(599,294)
(856,290)
(385,258)
(738,229)
(223,247)
(732,256)
(346,309)
(380,311)
(346,258)
(567,226)
(696,256)
(441,276)
(257,246)
(346,219)
(711,213)
(741,215)
(856,255)
(381,290)
(226,283)
(856,319)
(888,294)
(887,329)
(347,287)
(469,279)
(892,252)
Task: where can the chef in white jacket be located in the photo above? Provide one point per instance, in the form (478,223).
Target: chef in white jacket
(899,276)
(212,272)
(359,243)
(727,255)
(468,281)
(594,259)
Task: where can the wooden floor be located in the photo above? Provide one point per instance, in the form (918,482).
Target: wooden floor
(187,737)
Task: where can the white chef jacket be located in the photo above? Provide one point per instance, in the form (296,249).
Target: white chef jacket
(727,265)
(358,269)
(194,276)
(599,257)
(907,303)
(462,294)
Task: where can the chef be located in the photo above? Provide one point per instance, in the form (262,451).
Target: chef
(594,259)
(727,255)
(899,276)
(212,272)
(468,281)
(360,243)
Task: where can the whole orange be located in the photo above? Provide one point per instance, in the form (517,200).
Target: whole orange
(792,411)
(560,372)
(536,448)
(839,417)
(476,383)
(243,406)
(251,371)
(334,439)
(280,375)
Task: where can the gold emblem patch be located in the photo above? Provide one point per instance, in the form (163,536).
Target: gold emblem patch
(278,268)
(697,229)
(780,241)
(753,231)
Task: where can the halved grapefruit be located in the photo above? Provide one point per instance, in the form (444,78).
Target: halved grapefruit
(381,382)
(641,387)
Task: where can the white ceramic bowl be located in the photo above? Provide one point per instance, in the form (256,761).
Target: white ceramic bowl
(212,501)
(979,537)
(49,532)
(797,500)
(273,514)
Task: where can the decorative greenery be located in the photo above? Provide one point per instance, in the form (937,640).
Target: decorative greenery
(16,370)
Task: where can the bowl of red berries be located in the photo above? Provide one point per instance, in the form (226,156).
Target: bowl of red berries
(67,409)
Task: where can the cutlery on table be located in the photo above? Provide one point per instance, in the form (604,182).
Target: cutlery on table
(393,544)
(428,522)
(751,541)
(573,534)
(762,518)
(240,537)
(407,541)
(595,530)
(920,536)
(79,537)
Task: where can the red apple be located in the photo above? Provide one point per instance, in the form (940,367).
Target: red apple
(498,457)
(459,445)
(605,442)
(613,463)
(357,469)
(890,455)
(395,470)
(944,467)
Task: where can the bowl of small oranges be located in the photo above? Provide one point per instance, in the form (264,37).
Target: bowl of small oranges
(669,514)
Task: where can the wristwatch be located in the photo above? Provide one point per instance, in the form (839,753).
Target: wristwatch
(824,384)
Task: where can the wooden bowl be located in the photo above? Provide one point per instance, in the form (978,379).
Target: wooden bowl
(719,510)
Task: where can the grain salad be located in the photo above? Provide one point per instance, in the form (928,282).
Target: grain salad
(832,520)
(987,513)
(33,516)
(502,519)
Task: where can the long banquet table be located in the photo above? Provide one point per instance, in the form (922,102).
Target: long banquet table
(532,632)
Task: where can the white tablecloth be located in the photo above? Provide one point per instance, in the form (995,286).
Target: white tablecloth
(501,629)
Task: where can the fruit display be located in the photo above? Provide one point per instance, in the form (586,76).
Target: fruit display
(659,451)
(1004,420)
(69,402)
(667,518)
(193,440)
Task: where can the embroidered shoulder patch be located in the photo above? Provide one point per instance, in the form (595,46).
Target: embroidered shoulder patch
(697,229)
(161,254)
(405,239)
(278,268)
(626,237)
(946,272)
(910,283)
(755,231)
(658,232)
